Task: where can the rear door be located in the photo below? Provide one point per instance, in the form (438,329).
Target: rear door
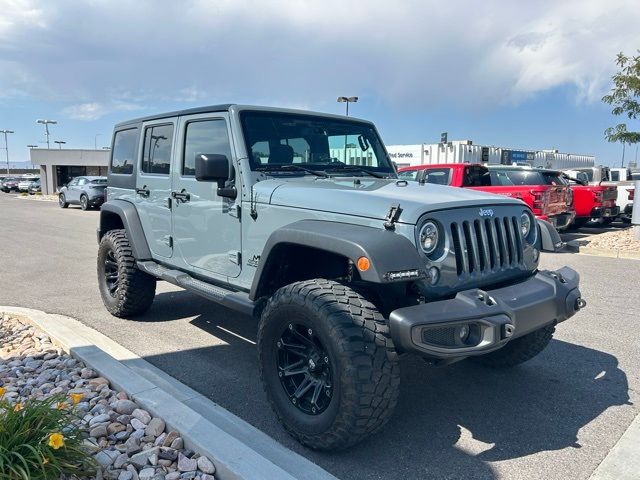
(206,226)
(72,190)
(153,185)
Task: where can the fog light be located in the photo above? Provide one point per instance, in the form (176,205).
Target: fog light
(463,333)
(434,275)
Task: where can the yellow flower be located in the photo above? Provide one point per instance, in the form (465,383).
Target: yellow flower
(61,406)
(56,440)
(76,397)
(2,391)
(18,407)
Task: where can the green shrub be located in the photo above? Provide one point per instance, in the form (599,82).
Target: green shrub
(41,440)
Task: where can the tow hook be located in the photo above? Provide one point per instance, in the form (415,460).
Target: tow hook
(580,303)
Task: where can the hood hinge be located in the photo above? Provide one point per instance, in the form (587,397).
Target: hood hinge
(392,217)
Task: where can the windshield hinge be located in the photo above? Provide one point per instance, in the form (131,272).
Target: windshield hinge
(392,217)
(253,212)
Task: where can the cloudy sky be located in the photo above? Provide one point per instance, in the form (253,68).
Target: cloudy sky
(520,74)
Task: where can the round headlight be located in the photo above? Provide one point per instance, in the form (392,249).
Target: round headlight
(429,237)
(525,224)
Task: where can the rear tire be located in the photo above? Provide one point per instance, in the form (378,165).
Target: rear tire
(84,202)
(62,201)
(518,350)
(125,290)
(354,368)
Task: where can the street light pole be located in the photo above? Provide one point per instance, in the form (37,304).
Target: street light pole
(31,147)
(6,145)
(46,128)
(347,100)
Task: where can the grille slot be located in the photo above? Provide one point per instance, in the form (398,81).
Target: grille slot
(483,246)
(440,336)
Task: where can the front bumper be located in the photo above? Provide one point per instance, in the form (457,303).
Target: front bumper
(492,317)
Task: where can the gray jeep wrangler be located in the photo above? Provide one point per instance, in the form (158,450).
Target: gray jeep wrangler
(299,219)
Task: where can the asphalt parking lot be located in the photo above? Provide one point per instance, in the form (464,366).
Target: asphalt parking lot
(553,418)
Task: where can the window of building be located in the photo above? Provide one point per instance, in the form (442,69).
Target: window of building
(124,151)
(156,155)
(208,137)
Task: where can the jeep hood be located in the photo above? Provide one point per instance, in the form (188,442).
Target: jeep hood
(371,197)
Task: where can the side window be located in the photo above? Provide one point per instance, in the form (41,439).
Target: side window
(409,175)
(124,151)
(205,136)
(82,181)
(615,176)
(156,156)
(73,182)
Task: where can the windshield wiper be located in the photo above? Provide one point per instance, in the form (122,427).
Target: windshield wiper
(344,166)
(290,166)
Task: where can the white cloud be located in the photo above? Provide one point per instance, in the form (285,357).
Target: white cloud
(96,110)
(403,54)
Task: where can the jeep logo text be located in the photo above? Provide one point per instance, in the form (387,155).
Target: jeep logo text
(486,212)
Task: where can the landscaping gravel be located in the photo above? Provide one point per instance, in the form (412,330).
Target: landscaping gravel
(623,240)
(128,443)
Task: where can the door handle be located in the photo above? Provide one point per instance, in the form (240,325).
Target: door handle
(144,191)
(182,196)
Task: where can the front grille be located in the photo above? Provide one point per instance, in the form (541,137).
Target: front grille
(485,245)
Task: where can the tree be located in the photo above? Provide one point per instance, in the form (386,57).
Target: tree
(625,98)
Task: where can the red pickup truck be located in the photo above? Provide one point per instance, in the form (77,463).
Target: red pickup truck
(549,201)
(596,203)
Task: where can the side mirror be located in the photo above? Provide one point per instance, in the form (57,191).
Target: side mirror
(212,167)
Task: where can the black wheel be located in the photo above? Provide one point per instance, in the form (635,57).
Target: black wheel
(626,221)
(84,202)
(518,350)
(327,363)
(62,201)
(579,222)
(607,221)
(125,290)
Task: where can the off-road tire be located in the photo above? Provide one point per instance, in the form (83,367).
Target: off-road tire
(136,289)
(518,350)
(61,201)
(84,202)
(363,360)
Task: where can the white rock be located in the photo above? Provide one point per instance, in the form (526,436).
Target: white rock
(186,464)
(205,465)
(137,424)
(147,474)
(155,427)
(142,415)
(125,407)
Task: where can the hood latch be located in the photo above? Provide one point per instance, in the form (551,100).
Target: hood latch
(392,217)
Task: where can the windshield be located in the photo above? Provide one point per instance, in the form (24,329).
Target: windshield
(99,181)
(439,176)
(275,141)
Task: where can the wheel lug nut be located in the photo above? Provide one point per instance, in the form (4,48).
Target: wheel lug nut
(291,326)
(293,400)
(313,409)
(280,374)
(310,332)
(279,345)
(326,359)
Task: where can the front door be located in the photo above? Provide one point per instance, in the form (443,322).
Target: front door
(206,226)
(153,186)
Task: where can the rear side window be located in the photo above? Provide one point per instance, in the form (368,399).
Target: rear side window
(476,177)
(208,137)
(409,175)
(156,156)
(439,176)
(124,151)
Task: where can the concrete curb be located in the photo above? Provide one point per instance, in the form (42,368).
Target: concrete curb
(238,450)
(623,461)
(600,252)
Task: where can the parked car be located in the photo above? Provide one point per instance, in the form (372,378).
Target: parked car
(345,265)
(35,187)
(593,203)
(88,192)
(10,184)
(548,202)
(25,182)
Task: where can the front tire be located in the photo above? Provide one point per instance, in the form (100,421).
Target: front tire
(62,201)
(518,350)
(327,363)
(125,290)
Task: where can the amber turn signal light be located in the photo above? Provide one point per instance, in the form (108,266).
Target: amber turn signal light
(363,264)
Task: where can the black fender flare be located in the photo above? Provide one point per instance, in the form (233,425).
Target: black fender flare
(130,219)
(386,250)
(550,240)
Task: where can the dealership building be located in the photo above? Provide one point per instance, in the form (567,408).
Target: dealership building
(57,167)
(464,151)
